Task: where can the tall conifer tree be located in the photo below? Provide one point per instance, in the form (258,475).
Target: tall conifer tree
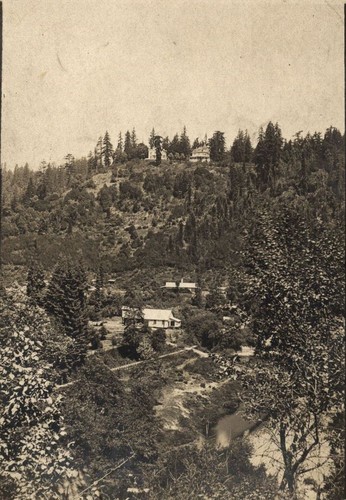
(35,283)
(185,146)
(128,145)
(107,150)
(151,138)
(133,139)
(217,146)
(66,302)
(120,145)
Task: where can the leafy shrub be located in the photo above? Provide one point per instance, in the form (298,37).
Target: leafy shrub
(158,341)
(205,327)
(103,332)
(129,191)
(203,366)
(90,184)
(96,342)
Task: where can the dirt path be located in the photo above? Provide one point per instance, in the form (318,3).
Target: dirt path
(135,363)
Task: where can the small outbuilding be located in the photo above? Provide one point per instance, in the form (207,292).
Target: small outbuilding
(180,285)
(130,315)
(152,154)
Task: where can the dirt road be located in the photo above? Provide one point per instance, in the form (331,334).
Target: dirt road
(135,363)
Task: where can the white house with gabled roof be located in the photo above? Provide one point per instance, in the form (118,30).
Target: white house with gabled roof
(160,318)
(153,318)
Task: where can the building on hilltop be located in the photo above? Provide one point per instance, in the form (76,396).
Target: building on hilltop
(201,153)
(152,154)
(180,285)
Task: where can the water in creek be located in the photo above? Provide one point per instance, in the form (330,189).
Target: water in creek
(231,426)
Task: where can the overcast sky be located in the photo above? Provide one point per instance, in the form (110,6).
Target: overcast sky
(73,69)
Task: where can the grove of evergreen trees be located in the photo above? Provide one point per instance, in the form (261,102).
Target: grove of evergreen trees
(65,300)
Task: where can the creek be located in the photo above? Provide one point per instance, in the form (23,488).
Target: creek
(230,427)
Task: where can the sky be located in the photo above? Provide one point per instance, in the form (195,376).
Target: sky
(74,69)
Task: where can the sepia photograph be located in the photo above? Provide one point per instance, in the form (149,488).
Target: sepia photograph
(172,250)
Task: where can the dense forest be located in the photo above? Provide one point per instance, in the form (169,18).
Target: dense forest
(260,229)
(116,209)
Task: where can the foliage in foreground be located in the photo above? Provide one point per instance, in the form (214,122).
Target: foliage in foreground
(294,277)
(33,457)
(189,472)
(108,424)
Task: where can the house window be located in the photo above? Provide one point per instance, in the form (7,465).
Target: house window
(172,323)
(154,321)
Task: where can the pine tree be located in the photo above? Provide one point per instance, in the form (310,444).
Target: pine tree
(133,139)
(120,145)
(175,145)
(241,150)
(151,138)
(197,299)
(29,193)
(90,161)
(158,148)
(120,156)
(170,245)
(95,160)
(193,248)
(105,199)
(248,151)
(98,152)
(49,179)
(180,235)
(267,154)
(217,146)
(26,174)
(107,150)
(190,228)
(185,146)
(166,144)
(66,302)
(259,155)
(41,189)
(69,167)
(35,283)
(128,145)
(237,149)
